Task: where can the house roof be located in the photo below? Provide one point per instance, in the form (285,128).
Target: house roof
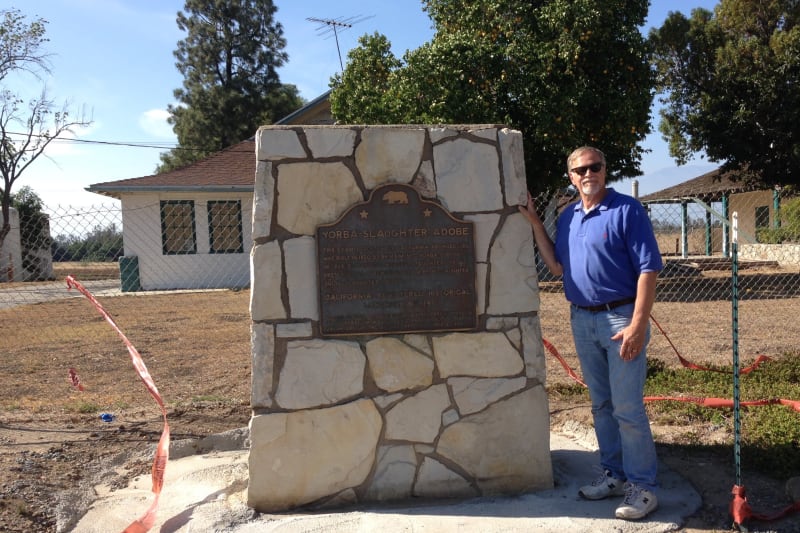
(709,187)
(317,111)
(230,170)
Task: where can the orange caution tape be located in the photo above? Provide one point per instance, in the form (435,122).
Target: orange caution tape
(705,402)
(554,352)
(147,520)
(741,511)
(716,403)
(724,402)
(688,364)
(75,379)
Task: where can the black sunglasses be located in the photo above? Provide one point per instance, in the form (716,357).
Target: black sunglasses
(581,171)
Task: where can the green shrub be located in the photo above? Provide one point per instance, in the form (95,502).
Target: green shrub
(789,230)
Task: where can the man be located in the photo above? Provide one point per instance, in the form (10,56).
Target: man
(608,258)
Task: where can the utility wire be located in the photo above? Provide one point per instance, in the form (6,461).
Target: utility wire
(65,140)
(132,144)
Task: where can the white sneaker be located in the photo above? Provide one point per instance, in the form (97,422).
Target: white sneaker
(604,486)
(638,503)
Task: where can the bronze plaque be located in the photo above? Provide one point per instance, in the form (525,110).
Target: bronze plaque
(396,264)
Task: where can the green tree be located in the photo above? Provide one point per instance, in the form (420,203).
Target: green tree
(361,91)
(103,243)
(26,128)
(564,72)
(729,84)
(229,60)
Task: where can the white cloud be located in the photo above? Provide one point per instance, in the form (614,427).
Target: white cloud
(154,122)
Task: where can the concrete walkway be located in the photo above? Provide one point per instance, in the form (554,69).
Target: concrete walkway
(34,293)
(208,492)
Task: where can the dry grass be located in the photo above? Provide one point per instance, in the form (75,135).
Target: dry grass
(176,335)
(80,270)
(670,243)
(86,271)
(177,332)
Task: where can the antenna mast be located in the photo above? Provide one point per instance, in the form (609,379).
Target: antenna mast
(328,26)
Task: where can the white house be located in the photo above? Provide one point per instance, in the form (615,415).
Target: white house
(191,228)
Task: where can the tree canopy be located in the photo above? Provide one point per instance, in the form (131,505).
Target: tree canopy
(729,85)
(229,60)
(565,73)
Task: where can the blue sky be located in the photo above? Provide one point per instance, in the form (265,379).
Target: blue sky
(114,58)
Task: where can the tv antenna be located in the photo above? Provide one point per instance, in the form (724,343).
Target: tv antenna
(333,26)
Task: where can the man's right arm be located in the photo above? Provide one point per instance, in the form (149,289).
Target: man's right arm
(543,242)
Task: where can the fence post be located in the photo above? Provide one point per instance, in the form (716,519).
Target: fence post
(725,230)
(737,454)
(684,229)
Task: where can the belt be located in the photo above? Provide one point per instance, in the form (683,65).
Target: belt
(606,307)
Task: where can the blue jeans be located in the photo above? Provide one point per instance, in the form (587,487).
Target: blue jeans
(616,388)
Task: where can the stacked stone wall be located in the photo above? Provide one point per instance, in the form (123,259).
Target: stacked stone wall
(784,254)
(369,418)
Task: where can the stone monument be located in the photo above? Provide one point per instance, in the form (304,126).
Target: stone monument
(396,346)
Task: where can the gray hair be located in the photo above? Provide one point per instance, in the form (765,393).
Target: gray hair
(578,151)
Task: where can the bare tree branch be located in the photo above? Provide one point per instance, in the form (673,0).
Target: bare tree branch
(39,120)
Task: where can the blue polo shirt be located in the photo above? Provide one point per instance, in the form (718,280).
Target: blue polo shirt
(604,251)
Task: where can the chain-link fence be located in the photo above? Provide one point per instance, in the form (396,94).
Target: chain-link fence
(167,244)
(43,246)
(692,315)
(144,249)
(171,245)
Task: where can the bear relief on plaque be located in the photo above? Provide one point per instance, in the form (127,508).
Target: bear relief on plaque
(396,264)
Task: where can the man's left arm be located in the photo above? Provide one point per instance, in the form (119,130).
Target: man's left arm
(633,337)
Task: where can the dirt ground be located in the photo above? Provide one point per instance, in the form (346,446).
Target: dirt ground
(197,348)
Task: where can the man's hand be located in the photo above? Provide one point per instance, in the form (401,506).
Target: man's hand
(632,342)
(529,210)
